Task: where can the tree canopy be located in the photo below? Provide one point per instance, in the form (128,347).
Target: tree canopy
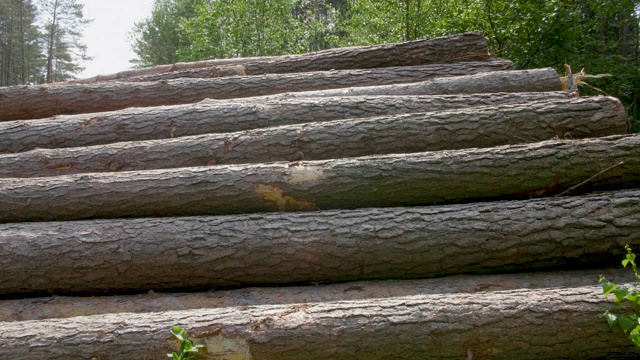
(40,42)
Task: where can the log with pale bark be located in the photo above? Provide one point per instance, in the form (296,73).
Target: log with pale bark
(73,99)
(453,48)
(499,81)
(213,116)
(283,248)
(56,306)
(506,172)
(558,321)
(31,102)
(465,128)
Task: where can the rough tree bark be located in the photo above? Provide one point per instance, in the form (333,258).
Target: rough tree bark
(55,307)
(18,102)
(286,248)
(214,116)
(547,323)
(499,81)
(512,171)
(466,128)
(453,48)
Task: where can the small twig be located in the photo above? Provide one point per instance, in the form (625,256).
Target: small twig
(589,179)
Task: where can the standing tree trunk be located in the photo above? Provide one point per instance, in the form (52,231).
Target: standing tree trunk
(287,248)
(521,324)
(213,116)
(507,172)
(479,127)
(51,45)
(44,101)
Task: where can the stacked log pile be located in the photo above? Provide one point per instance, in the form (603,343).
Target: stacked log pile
(411,200)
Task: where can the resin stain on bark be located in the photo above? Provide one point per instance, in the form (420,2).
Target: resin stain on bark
(275,195)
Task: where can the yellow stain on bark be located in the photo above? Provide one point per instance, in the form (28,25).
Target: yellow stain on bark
(275,195)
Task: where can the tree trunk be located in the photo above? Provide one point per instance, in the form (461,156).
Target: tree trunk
(288,248)
(514,171)
(474,127)
(56,307)
(229,116)
(453,48)
(43,101)
(517,324)
(490,82)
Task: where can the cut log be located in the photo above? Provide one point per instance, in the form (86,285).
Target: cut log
(70,99)
(500,81)
(55,307)
(516,324)
(453,48)
(212,116)
(287,248)
(31,102)
(474,127)
(511,171)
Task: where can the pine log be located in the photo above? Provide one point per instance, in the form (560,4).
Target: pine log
(471,127)
(55,307)
(506,172)
(453,48)
(287,248)
(514,81)
(214,116)
(32,102)
(546,323)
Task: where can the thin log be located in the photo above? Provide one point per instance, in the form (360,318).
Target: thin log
(547,323)
(286,248)
(73,99)
(56,307)
(213,116)
(471,127)
(506,172)
(463,47)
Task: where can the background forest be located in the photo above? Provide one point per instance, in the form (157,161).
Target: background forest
(38,43)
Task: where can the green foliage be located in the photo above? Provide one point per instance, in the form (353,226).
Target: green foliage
(187,350)
(63,23)
(156,40)
(245,28)
(630,323)
(21,59)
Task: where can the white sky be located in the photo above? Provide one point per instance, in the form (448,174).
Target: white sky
(106,37)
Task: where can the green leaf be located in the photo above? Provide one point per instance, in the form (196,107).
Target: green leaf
(607,287)
(634,298)
(179,333)
(611,319)
(626,323)
(620,293)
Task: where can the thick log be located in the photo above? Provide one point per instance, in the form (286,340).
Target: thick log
(31,102)
(213,116)
(453,48)
(55,307)
(287,248)
(511,171)
(545,323)
(499,81)
(471,127)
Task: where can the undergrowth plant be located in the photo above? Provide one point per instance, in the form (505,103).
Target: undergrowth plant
(187,350)
(629,323)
